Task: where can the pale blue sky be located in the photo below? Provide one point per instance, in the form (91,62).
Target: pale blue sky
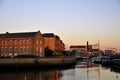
(75,21)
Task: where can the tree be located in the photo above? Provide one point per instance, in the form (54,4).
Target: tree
(48,52)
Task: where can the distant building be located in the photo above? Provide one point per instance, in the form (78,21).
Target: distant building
(110,51)
(94,48)
(25,43)
(78,48)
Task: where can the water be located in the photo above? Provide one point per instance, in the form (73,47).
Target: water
(82,71)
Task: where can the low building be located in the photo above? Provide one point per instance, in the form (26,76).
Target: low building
(24,43)
(78,48)
(94,49)
(110,51)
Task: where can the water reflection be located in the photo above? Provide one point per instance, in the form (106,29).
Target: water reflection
(82,71)
(34,75)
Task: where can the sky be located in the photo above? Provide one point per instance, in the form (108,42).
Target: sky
(75,21)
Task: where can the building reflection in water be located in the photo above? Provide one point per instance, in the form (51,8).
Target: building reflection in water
(92,70)
(82,71)
(34,75)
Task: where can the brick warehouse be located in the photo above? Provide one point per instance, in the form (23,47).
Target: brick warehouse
(53,42)
(25,43)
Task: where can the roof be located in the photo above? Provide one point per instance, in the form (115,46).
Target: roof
(78,46)
(18,35)
(48,35)
(57,37)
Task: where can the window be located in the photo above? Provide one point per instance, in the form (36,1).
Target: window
(27,41)
(37,49)
(5,48)
(3,42)
(10,48)
(37,42)
(24,41)
(10,41)
(40,50)
(23,48)
(40,42)
(21,41)
(18,48)
(15,48)
(15,42)
(2,49)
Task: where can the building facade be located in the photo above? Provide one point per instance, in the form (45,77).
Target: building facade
(79,48)
(53,42)
(25,43)
(59,45)
(49,40)
(110,51)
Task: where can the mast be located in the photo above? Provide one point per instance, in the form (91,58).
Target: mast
(98,47)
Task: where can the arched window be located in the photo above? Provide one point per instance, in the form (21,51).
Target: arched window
(15,54)
(40,42)
(15,42)
(3,42)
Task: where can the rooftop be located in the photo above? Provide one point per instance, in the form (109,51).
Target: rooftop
(79,46)
(18,35)
(48,35)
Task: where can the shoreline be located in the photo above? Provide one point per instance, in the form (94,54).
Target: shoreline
(10,63)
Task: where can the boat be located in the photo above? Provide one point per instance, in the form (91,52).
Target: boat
(96,59)
(116,62)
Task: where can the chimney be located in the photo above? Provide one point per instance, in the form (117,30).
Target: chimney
(87,46)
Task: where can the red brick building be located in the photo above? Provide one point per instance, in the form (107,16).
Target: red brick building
(53,42)
(24,43)
(59,44)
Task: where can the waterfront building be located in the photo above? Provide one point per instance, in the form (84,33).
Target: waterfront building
(78,48)
(62,46)
(94,48)
(53,42)
(24,43)
(49,40)
(110,51)
(59,45)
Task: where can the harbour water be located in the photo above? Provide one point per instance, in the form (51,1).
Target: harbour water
(81,71)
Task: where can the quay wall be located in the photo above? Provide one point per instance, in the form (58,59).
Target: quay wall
(37,61)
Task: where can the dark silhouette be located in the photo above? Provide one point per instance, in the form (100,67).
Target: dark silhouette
(48,52)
